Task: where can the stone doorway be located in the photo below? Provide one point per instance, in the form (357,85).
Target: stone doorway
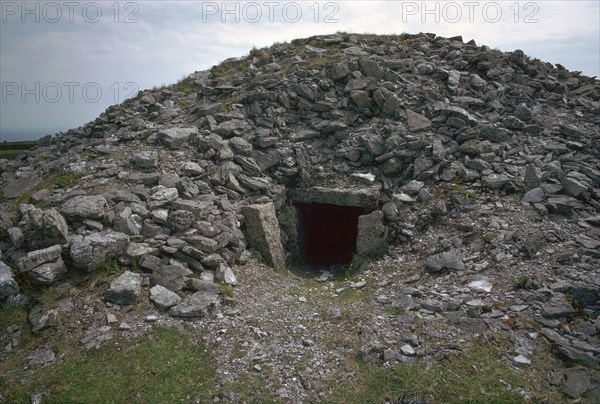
(327,233)
(325,227)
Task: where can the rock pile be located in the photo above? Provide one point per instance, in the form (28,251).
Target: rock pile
(180,182)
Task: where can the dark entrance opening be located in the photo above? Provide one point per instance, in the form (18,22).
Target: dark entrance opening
(327,233)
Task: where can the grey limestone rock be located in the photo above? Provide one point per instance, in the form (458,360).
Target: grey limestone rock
(163,298)
(8,284)
(417,122)
(146,159)
(371,238)
(557,306)
(262,231)
(125,289)
(85,207)
(447,260)
(171,277)
(534,195)
(174,138)
(88,252)
(225,274)
(39,257)
(41,318)
(48,273)
(197,305)
(44,228)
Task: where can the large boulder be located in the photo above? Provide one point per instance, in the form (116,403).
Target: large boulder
(125,289)
(163,298)
(48,273)
(371,237)
(44,228)
(146,159)
(171,277)
(197,305)
(447,260)
(90,251)
(15,188)
(174,138)
(8,284)
(225,274)
(262,232)
(85,207)
(36,258)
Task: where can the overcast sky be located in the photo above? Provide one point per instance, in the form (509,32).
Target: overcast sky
(64,62)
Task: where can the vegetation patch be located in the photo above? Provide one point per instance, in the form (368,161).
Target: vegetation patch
(54,180)
(345,272)
(10,150)
(480,375)
(186,85)
(109,267)
(227,290)
(165,367)
(520,282)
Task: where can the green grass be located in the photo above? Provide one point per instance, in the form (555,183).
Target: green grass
(227,290)
(166,367)
(478,376)
(355,267)
(54,180)
(12,316)
(109,267)
(185,85)
(489,237)
(63,179)
(520,282)
(10,150)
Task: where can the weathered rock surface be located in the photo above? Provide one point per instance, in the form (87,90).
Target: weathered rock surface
(174,138)
(146,159)
(171,277)
(8,284)
(16,188)
(85,207)
(39,257)
(163,298)
(197,305)
(225,274)
(48,273)
(41,318)
(372,238)
(125,289)
(262,231)
(90,251)
(43,228)
(447,260)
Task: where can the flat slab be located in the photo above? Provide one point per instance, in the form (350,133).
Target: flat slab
(262,232)
(367,197)
(16,188)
